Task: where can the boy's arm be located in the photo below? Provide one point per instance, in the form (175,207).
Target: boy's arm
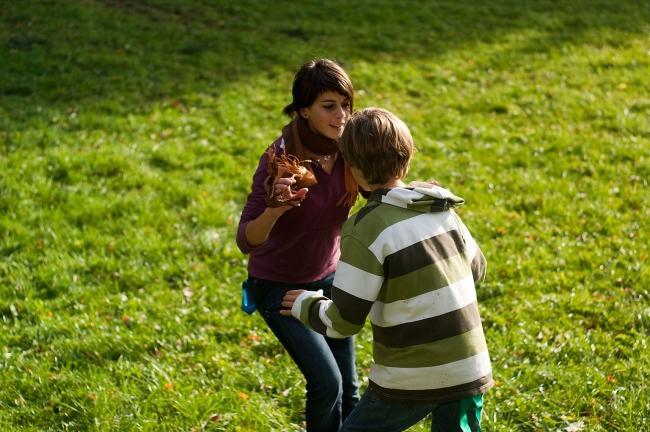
(357,282)
(476,257)
(479,266)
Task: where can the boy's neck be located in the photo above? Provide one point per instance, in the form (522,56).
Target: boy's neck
(390,185)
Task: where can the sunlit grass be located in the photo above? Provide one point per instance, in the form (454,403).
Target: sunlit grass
(129,132)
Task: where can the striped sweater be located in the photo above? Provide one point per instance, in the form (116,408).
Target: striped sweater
(409,262)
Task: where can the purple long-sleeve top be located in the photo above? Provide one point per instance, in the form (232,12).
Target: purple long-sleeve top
(303,245)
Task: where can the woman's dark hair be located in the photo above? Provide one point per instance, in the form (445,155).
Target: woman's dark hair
(315,77)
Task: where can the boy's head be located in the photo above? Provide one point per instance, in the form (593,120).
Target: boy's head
(378,144)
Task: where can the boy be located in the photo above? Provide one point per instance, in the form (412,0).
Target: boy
(409,262)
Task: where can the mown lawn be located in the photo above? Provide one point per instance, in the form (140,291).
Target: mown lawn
(129,131)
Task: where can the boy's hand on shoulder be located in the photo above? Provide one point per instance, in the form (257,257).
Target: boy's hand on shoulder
(288,300)
(428,184)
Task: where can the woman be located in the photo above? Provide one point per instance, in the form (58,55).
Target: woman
(295,243)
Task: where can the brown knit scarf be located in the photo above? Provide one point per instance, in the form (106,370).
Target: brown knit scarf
(297,135)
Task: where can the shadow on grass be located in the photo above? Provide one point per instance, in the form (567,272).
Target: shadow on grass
(133,52)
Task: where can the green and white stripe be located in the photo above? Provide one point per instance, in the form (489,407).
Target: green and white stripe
(410,231)
(432,377)
(423,306)
(364,284)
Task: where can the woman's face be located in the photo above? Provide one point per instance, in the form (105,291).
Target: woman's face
(328,114)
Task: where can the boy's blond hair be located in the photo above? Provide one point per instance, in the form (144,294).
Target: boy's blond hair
(377,143)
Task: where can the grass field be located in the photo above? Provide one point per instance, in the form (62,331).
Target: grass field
(129,131)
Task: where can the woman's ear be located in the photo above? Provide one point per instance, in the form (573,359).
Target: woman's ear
(304,113)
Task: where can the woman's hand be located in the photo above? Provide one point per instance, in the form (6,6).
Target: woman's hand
(288,300)
(282,189)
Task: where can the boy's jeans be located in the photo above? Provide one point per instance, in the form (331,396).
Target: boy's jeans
(373,414)
(327,364)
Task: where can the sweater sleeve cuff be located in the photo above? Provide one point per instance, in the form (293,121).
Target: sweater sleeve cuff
(300,308)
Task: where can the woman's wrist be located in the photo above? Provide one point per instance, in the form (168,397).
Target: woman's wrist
(276,212)
(257,231)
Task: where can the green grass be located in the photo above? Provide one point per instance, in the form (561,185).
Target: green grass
(129,131)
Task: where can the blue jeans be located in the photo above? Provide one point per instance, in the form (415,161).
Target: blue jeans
(374,414)
(327,364)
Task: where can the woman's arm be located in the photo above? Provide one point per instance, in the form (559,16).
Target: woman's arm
(257,220)
(258,230)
